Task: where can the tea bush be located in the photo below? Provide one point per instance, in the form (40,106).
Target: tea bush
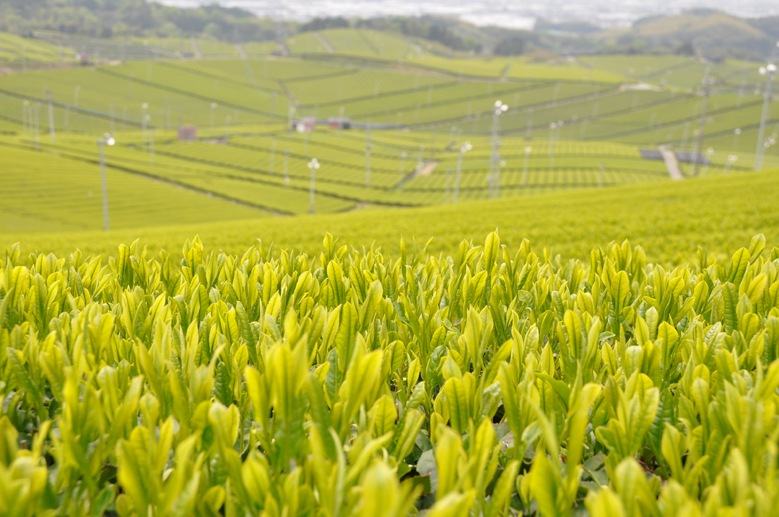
(490,382)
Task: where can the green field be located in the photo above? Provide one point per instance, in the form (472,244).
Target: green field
(670,220)
(570,123)
(428,320)
(23,53)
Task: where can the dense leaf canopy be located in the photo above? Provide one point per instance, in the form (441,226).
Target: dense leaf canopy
(491,382)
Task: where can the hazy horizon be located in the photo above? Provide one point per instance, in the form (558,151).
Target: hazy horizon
(506,13)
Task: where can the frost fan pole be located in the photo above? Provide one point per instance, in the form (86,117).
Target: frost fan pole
(368,155)
(51,119)
(702,125)
(463,149)
(769,72)
(102,142)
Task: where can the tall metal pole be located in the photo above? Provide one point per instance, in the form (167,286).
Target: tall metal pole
(499,167)
(24,117)
(368,156)
(311,200)
(736,134)
(456,194)
(272,156)
(401,170)
(552,127)
(37,127)
(446,187)
(101,143)
(493,155)
(51,118)
(31,123)
(769,71)
(528,150)
(702,124)
(151,147)
(313,165)
(463,149)
(286,166)
(143,125)
(496,112)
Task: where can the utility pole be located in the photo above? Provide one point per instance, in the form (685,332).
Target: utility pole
(313,165)
(24,117)
(37,127)
(446,185)
(286,167)
(500,166)
(102,142)
(272,157)
(552,128)
(151,147)
(528,150)
(769,72)
(702,125)
(144,119)
(496,112)
(368,155)
(401,170)
(463,149)
(51,118)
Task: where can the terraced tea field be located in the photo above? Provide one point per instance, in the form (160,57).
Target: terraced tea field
(41,191)
(22,53)
(452,307)
(570,123)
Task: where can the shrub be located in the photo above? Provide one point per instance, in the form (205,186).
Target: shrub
(493,382)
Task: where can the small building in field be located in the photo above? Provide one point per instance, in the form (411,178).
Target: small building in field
(339,123)
(188,133)
(305,125)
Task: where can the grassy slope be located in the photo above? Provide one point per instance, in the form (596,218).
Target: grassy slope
(670,220)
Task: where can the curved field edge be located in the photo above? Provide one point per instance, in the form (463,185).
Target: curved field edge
(670,220)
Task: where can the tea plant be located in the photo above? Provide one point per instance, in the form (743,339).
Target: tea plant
(491,382)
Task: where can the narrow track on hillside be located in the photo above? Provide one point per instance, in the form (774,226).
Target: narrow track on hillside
(324,42)
(195,48)
(671,163)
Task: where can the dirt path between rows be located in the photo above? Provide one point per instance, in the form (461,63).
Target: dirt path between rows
(671,163)
(324,42)
(195,48)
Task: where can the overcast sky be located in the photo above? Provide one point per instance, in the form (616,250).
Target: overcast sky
(510,13)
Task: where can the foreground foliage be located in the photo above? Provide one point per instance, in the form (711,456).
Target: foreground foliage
(493,382)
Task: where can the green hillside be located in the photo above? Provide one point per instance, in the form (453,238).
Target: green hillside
(351,272)
(574,124)
(712,32)
(17,53)
(670,220)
